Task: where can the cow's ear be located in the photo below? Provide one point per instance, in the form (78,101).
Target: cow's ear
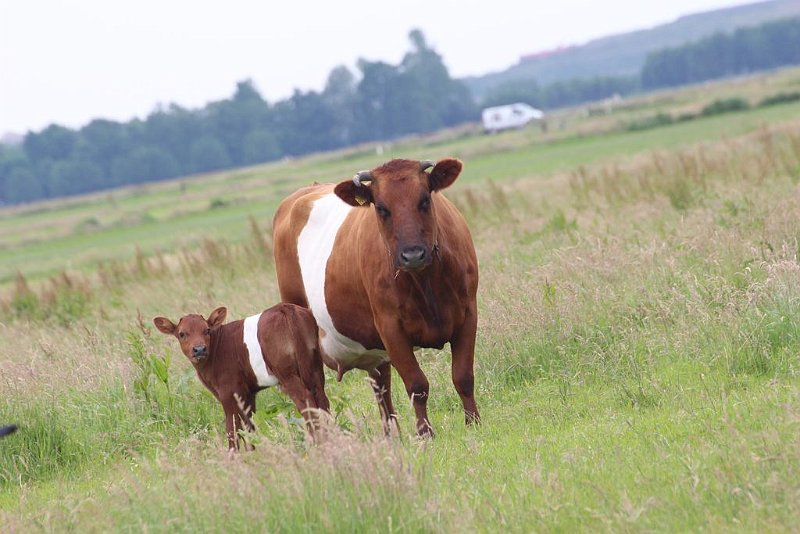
(217,317)
(444,173)
(355,195)
(164,325)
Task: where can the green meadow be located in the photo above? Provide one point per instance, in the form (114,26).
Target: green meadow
(636,364)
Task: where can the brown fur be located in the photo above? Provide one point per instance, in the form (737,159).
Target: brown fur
(288,338)
(378,298)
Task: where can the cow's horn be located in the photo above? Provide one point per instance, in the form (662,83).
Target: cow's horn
(362,176)
(425,164)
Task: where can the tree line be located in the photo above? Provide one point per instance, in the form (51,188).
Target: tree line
(384,101)
(416,95)
(767,46)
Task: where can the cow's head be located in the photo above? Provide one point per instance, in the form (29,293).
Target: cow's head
(400,193)
(193,332)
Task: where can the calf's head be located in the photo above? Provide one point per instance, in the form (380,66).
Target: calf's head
(400,193)
(193,332)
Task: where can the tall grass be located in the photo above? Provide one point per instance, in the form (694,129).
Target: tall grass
(636,367)
(67,298)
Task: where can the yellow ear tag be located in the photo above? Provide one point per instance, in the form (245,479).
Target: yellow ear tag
(361,200)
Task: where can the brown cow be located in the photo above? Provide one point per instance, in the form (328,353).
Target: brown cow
(387,265)
(237,360)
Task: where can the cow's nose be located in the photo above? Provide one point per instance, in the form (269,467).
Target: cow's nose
(199,351)
(412,257)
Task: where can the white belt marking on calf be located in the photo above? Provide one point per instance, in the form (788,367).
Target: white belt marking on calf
(314,247)
(263,378)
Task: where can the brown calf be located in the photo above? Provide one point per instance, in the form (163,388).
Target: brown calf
(237,360)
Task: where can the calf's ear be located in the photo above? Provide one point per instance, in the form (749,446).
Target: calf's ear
(164,325)
(444,173)
(217,316)
(355,195)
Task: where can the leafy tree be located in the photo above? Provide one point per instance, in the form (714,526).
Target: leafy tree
(372,100)
(108,140)
(75,175)
(22,185)
(231,120)
(54,142)
(144,164)
(260,145)
(304,123)
(340,96)
(172,130)
(208,154)
(433,99)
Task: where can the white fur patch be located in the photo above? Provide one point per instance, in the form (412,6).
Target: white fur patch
(263,377)
(314,246)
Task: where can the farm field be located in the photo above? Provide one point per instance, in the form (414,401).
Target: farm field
(636,363)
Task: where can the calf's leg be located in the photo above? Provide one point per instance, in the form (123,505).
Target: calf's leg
(231,426)
(303,399)
(317,385)
(237,417)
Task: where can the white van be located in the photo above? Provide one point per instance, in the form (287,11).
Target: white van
(509,116)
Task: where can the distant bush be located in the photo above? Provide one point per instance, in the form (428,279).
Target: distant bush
(654,121)
(725,105)
(780,98)
(90,224)
(217,203)
(684,117)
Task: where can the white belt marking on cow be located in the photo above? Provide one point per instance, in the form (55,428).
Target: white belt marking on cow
(314,246)
(263,377)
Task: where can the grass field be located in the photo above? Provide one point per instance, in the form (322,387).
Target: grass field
(636,365)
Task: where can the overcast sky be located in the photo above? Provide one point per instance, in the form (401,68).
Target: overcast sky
(69,61)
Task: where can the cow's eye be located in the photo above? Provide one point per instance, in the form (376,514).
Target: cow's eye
(181,335)
(424,204)
(382,212)
(208,331)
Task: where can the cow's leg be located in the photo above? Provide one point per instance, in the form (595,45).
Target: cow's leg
(402,356)
(382,387)
(463,348)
